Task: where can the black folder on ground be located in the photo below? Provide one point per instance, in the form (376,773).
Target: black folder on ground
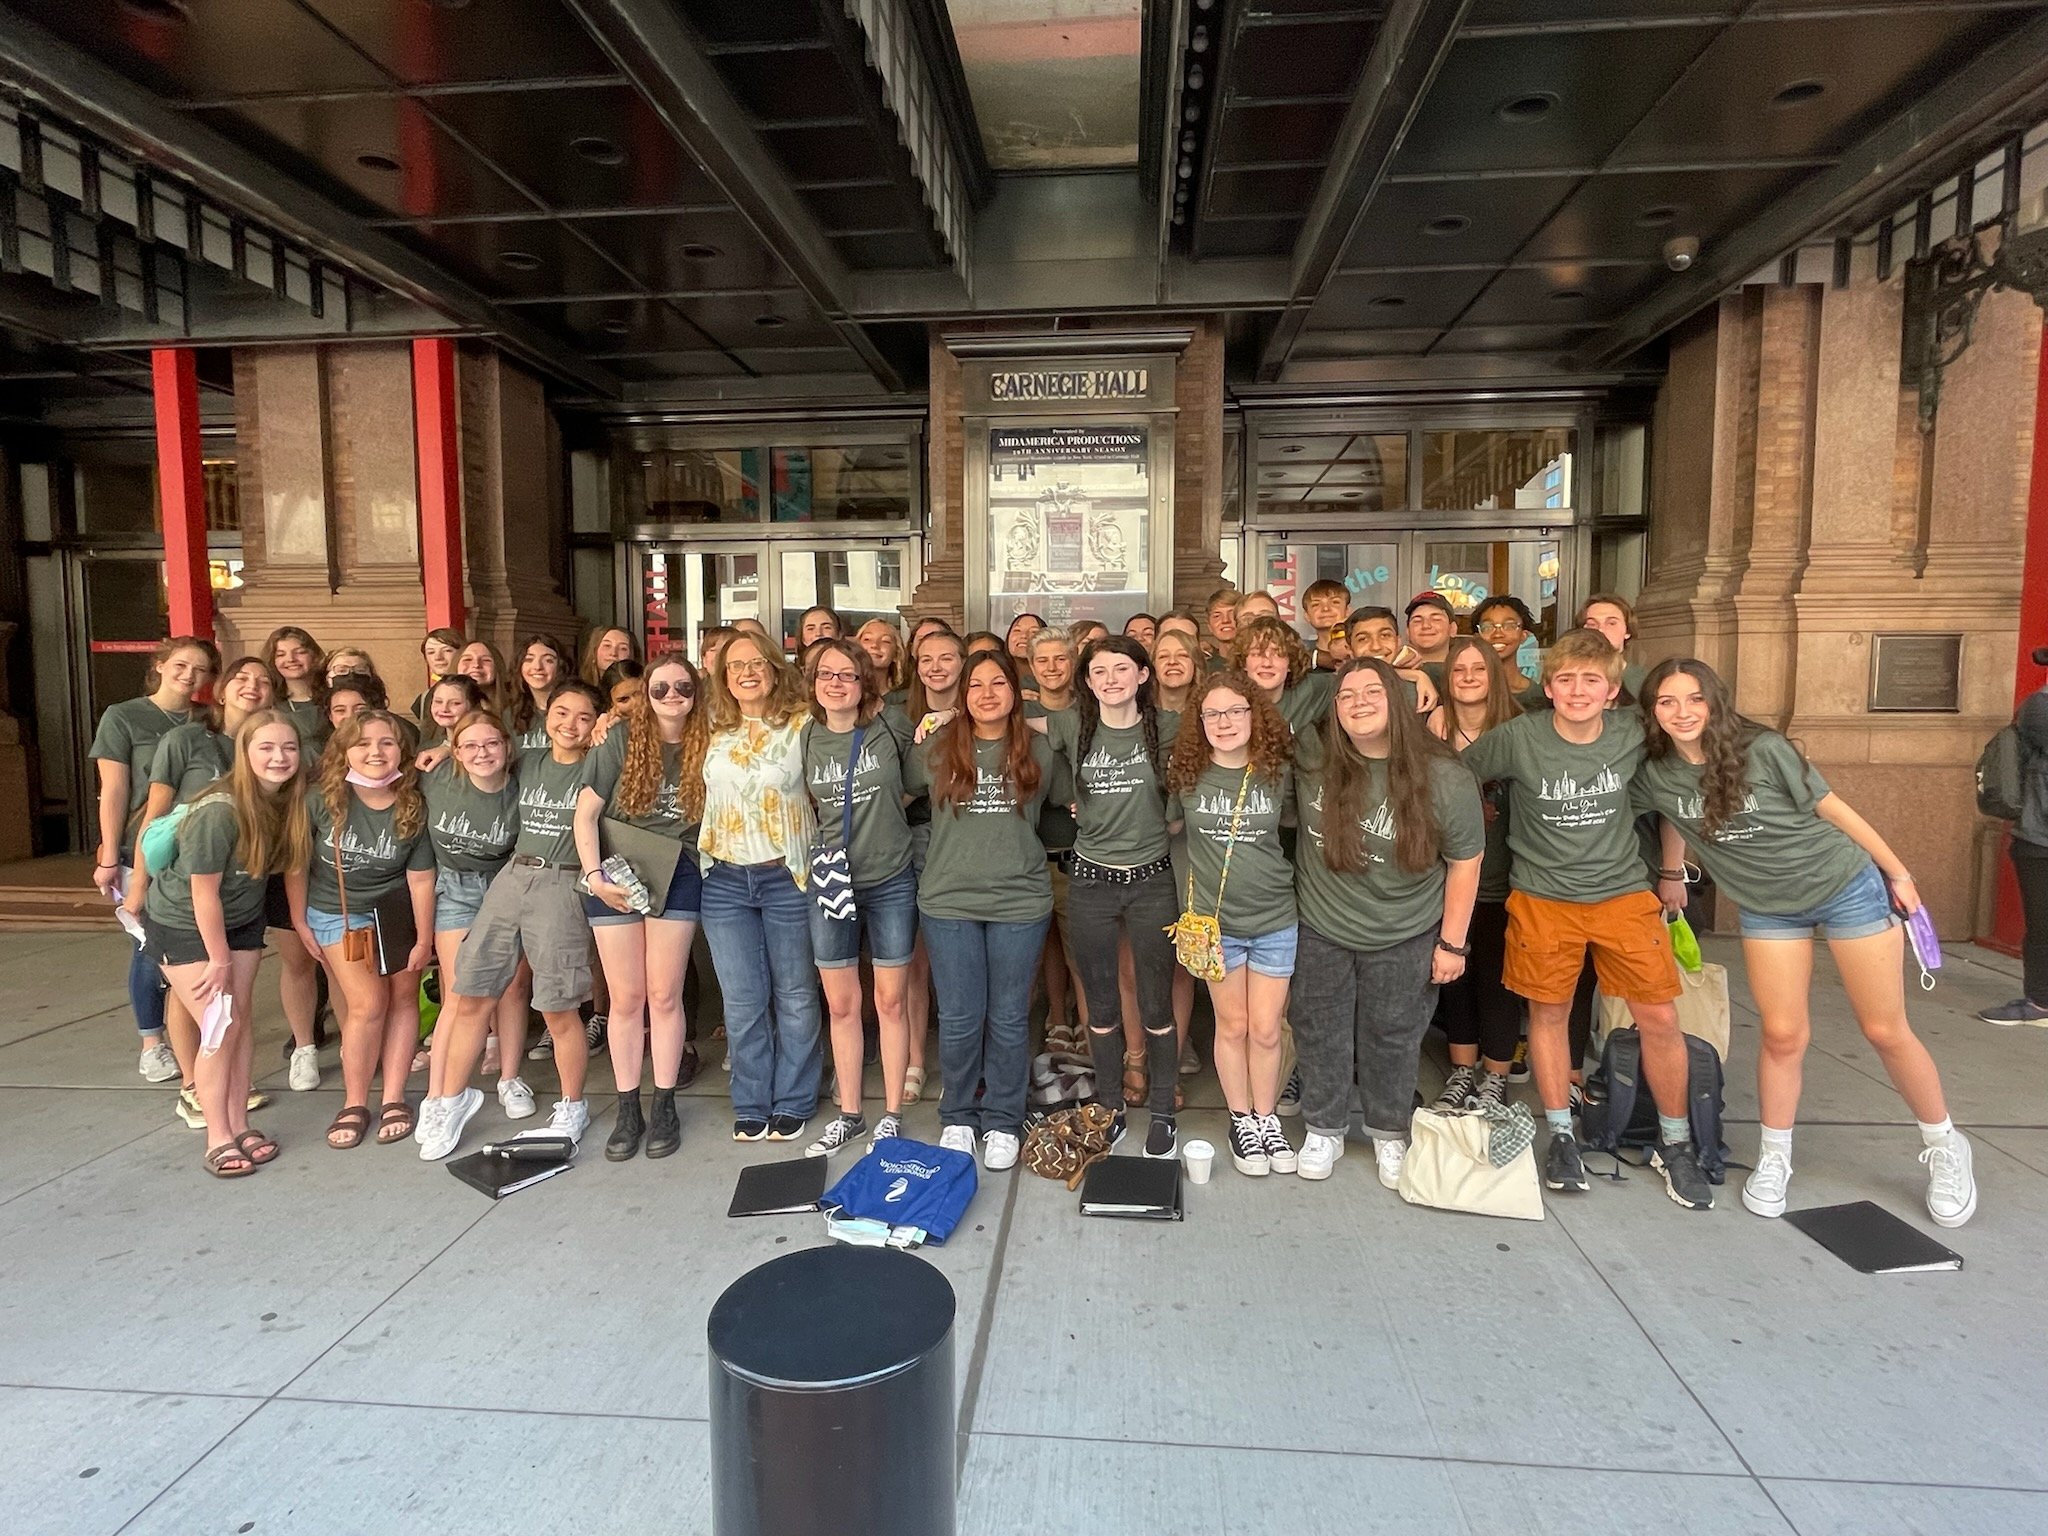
(1870,1238)
(505,1168)
(393,930)
(780,1189)
(1147,1188)
(654,857)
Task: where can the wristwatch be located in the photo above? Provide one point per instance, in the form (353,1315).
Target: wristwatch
(1462,951)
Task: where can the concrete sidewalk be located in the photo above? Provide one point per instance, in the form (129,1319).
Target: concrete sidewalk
(357,1341)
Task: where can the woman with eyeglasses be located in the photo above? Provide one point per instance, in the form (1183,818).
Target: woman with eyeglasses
(854,764)
(755,844)
(647,773)
(938,661)
(1230,782)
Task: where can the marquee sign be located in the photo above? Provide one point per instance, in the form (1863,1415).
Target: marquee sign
(1070,384)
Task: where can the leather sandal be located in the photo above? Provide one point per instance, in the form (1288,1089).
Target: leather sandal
(396,1118)
(220,1162)
(1137,1081)
(257,1147)
(352,1124)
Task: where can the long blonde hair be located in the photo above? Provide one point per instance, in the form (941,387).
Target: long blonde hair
(334,786)
(640,773)
(273,833)
(785,697)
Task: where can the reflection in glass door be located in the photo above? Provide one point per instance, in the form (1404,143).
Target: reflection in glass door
(856,581)
(685,592)
(1370,571)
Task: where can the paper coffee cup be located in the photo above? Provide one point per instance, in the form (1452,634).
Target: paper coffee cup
(1200,1158)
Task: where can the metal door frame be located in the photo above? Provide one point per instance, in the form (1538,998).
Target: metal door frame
(768,552)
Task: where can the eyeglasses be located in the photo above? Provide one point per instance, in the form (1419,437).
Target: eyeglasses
(841,678)
(747,668)
(1221,716)
(488,744)
(1499,627)
(678,690)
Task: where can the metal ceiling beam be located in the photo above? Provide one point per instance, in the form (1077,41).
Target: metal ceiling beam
(649,43)
(1413,42)
(1953,125)
(77,87)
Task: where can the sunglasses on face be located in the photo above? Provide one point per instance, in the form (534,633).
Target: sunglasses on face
(683,689)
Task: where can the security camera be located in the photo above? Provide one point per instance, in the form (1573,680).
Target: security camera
(1680,252)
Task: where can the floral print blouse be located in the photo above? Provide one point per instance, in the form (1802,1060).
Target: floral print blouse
(757,805)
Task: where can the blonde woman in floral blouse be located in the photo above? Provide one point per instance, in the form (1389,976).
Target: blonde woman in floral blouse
(754,846)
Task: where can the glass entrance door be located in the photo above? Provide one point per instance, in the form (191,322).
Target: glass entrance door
(684,591)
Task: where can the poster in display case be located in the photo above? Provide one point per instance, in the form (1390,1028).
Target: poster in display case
(1069,511)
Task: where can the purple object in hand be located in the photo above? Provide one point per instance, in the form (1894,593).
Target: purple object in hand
(1926,946)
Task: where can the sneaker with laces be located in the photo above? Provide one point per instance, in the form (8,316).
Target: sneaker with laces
(1518,1064)
(543,1048)
(839,1130)
(1161,1137)
(1951,1181)
(158,1064)
(1458,1090)
(1319,1154)
(432,1112)
(1389,1155)
(1763,1192)
(1290,1096)
(303,1075)
(999,1151)
(887,1126)
(515,1098)
(749,1128)
(1683,1180)
(571,1118)
(1492,1089)
(1279,1155)
(2021,1010)
(786,1127)
(440,1136)
(1562,1167)
(1117,1128)
(594,1029)
(187,1109)
(1248,1146)
(958,1138)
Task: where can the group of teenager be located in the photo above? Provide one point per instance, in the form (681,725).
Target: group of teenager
(1397,825)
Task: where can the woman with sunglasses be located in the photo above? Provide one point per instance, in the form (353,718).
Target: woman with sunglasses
(648,773)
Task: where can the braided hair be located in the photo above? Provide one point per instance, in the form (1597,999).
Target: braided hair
(1088,710)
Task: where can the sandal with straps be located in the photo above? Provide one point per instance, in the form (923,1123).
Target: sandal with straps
(1137,1081)
(264,1150)
(220,1161)
(351,1125)
(390,1116)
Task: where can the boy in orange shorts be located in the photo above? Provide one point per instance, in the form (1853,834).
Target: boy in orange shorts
(1578,881)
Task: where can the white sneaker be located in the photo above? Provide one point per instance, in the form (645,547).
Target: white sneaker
(431,1113)
(1389,1155)
(452,1117)
(1951,1183)
(515,1098)
(1318,1155)
(998,1151)
(158,1064)
(304,1072)
(958,1138)
(1764,1190)
(571,1119)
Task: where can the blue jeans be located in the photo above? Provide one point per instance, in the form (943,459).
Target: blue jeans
(887,910)
(758,925)
(982,975)
(146,988)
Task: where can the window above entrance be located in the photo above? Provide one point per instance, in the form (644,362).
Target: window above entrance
(1055,82)
(769,483)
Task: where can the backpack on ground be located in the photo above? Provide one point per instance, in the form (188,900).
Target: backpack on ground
(1620,1112)
(2002,775)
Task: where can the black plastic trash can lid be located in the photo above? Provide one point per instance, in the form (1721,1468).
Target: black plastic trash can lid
(830,1317)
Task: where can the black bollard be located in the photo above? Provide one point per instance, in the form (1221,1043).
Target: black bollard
(832,1397)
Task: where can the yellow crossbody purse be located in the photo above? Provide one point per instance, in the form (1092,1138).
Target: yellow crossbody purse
(1198,940)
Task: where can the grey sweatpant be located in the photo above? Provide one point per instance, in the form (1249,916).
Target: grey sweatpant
(1359,1016)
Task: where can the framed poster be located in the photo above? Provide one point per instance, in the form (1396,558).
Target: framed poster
(1069,510)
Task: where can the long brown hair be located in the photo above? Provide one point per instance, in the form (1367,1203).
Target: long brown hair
(411,808)
(1272,742)
(1724,776)
(785,697)
(640,774)
(166,649)
(919,702)
(587,667)
(316,673)
(1500,695)
(1412,755)
(523,714)
(955,771)
(215,712)
(273,833)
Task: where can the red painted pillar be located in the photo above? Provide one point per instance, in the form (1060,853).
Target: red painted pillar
(433,406)
(181,487)
(2007,929)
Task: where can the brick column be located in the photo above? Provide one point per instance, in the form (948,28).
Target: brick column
(942,584)
(1198,468)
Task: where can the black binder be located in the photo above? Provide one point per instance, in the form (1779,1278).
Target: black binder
(1143,1188)
(508,1167)
(1870,1238)
(780,1189)
(393,930)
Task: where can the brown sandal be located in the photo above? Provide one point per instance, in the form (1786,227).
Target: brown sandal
(351,1125)
(219,1159)
(1137,1082)
(264,1150)
(394,1115)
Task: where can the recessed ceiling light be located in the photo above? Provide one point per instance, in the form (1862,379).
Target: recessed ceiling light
(1353,495)
(615,327)
(1569,296)
(1798,93)
(598,151)
(1657,217)
(376,162)
(1292,448)
(1388,301)
(1526,108)
(698,251)
(157,10)
(770,322)
(520,261)
(1447,224)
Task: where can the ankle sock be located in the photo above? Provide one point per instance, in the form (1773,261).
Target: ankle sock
(1559,1120)
(1779,1142)
(1674,1133)
(1935,1135)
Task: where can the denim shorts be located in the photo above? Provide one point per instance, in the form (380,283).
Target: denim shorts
(457,895)
(327,926)
(1270,954)
(184,946)
(1858,910)
(683,904)
(888,912)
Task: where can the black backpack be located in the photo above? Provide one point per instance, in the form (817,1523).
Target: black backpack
(1616,1115)
(2002,776)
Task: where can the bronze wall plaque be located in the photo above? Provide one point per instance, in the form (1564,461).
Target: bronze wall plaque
(1916,674)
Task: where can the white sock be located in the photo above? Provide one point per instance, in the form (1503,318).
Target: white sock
(1779,1142)
(1936,1135)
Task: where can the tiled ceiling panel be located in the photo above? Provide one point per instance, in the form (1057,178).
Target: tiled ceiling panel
(1442,223)
(1631,215)
(428,42)
(1563,293)
(597,146)
(1397,299)
(219,48)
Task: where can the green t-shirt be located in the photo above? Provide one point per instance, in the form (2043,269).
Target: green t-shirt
(1056,827)
(191,756)
(1496,864)
(1571,828)
(985,863)
(1776,854)
(1304,705)
(206,844)
(1258,889)
(471,829)
(880,847)
(310,720)
(1384,904)
(128,733)
(374,857)
(547,807)
(1119,803)
(602,766)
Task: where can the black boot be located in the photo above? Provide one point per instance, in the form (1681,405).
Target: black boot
(626,1133)
(664,1131)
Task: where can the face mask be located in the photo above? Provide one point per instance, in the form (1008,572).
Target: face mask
(363,782)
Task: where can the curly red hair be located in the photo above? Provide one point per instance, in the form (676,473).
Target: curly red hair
(1272,741)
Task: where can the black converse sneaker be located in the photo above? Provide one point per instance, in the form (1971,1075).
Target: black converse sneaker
(1248,1145)
(838,1132)
(1160,1138)
(1290,1095)
(1684,1181)
(1562,1168)
(1492,1089)
(1116,1129)
(1280,1155)
(1458,1090)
